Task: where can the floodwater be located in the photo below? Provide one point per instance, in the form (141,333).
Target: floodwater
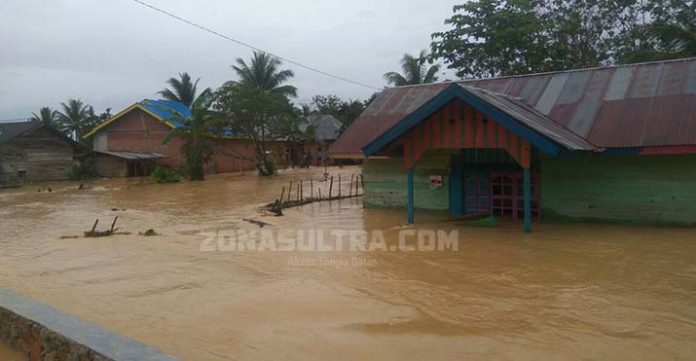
(9,354)
(565,292)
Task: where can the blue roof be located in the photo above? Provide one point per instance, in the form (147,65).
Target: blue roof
(167,110)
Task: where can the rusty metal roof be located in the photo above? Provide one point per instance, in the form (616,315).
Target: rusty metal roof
(639,105)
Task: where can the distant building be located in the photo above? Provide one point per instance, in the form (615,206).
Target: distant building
(131,142)
(611,144)
(30,151)
(326,129)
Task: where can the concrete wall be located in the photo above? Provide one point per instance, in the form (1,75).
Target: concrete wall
(647,189)
(385,182)
(39,155)
(45,334)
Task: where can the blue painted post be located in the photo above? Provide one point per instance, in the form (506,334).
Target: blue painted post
(527,185)
(410,201)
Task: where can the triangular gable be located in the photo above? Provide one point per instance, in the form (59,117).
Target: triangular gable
(154,108)
(509,118)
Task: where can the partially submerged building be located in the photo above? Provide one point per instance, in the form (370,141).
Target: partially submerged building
(31,151)
(610,144)
(131,142)
(325,129)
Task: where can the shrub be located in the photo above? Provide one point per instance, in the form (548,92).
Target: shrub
(164,175)
(83,171)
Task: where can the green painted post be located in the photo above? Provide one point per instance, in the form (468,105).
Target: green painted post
(410,199)
(527,185)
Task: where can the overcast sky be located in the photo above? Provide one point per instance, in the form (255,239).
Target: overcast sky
(112,53)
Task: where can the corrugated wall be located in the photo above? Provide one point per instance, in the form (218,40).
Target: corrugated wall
(385,182)
(647,189)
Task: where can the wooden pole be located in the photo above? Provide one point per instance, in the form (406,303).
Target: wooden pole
(319,189)
(282,195)
(290,192)
(339,186)
(350,188)
(301,191)
(311,188)
(330,187)
(356,184)
(95,225)
(113,224)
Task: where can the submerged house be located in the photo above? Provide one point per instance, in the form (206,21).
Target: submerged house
(31,151)
(325,129)
(131,142)
(608,144)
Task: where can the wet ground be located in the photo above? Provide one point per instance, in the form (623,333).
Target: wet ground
(565,292)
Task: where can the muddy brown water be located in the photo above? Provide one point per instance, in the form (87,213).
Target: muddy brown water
(9,354)
(565,292)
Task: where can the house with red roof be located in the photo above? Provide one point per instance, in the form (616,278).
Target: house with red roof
(611,144)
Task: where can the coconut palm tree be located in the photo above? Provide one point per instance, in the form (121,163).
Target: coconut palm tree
(47,116)
(182,90)
(265,74)
(197,133)
(75,118)
(414,71)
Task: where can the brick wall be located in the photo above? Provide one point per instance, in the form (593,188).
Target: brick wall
(138,131)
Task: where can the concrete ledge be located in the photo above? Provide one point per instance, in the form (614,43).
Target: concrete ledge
(45,333)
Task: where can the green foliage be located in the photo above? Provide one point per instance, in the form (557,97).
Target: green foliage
(414,71)
(47,116)
(270,167)
(491,38)
(164,175)
(264,73)
(76,118)
(345,111)
(83,171)
(197,132)
(183,90)
(261,115)
(257,106)
(671,35)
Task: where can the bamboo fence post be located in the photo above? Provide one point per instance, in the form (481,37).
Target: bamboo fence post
(301,191)
(350,188)
(311,189)
(339,186)
(290,192)
(330,187)
(356,184)
(282,195)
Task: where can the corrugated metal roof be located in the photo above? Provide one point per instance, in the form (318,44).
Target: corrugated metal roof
(132,155)
(532,118)
(640,105)
(167,110)
(326,127)
(10,130)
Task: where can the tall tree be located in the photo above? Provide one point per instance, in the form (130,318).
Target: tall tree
(76,118)
(197,134)
(182,90)
(671,34)
(264,73)
(414,71)
(508,37)
(47,116)
(259,114)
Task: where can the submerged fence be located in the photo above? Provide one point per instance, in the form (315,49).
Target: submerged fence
(330,188)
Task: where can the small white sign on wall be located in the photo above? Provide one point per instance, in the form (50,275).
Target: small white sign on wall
(435,181)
